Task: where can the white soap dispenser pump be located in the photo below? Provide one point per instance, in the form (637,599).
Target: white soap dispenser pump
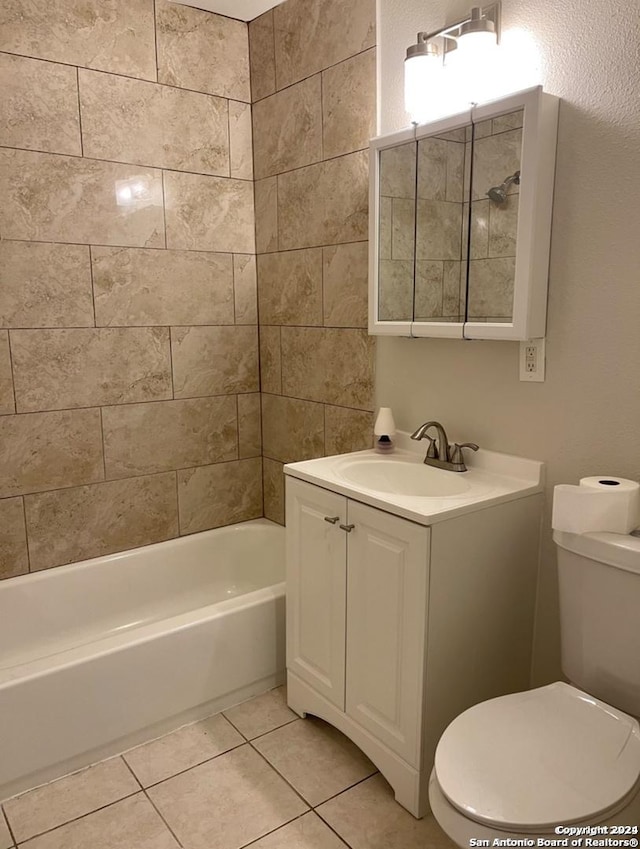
(384,430)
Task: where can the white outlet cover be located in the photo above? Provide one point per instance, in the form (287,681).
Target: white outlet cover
(538,375)
(243,10)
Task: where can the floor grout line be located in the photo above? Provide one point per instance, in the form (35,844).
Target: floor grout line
(160,814)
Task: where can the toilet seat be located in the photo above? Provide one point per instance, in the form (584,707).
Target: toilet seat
(529,761)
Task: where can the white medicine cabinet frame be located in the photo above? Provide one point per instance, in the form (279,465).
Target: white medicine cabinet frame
(520,279)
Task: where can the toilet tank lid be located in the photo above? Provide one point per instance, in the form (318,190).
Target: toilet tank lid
(619,550)
(535,759)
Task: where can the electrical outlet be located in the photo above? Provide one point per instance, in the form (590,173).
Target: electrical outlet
(532,364)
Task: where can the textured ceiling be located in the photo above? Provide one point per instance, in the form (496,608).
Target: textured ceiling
(244,10)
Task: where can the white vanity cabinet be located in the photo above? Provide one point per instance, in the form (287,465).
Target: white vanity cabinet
(395,627)
(374,578)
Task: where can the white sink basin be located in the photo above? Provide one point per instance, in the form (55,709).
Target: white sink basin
(400,477)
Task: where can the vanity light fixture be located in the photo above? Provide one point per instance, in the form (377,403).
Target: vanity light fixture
(461,48)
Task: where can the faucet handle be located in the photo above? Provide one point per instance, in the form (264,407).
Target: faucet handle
(457,456)
(432,450)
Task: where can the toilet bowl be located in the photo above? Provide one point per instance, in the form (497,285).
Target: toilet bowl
(520,766)
(529,765)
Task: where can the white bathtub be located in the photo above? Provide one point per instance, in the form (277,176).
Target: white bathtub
(98,656)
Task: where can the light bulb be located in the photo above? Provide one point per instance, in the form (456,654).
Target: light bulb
(421,74)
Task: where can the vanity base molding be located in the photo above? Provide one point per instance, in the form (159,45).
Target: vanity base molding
(409,787)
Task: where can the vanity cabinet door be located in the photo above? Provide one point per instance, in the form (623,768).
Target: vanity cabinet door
(316,588)
(387,584)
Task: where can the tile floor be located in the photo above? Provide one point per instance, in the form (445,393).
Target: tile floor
(255,775)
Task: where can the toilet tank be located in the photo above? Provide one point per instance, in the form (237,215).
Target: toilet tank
(599,576)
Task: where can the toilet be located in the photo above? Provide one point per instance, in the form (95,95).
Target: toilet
(531,764)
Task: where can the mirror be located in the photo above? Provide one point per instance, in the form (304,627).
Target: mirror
(397,232)
(440,268)
(495,197)
(461,222)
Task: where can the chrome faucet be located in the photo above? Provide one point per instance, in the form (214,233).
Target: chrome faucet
(439,453)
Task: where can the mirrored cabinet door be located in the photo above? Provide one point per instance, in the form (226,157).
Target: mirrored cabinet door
(495,198)
(396,233)
(440,271)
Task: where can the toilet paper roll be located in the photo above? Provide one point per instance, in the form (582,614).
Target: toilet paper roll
(599,503)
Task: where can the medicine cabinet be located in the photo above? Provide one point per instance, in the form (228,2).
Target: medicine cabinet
(461,222)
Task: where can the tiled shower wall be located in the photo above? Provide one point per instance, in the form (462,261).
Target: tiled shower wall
(313,85)
(129,387)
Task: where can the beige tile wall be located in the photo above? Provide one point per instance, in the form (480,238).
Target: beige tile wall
(313,114)
(129,379)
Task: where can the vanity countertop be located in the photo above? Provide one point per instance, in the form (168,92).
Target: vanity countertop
(491,478)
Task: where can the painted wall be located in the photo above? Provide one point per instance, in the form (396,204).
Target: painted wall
(313,81)
(585,418)
(129,389)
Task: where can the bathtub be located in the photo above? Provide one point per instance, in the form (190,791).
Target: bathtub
(98,656)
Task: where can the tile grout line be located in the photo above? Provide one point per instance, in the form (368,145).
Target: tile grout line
(158,168)
(5,818)
(79,110)
(181,250)
(159,813)
(127,404)
(123,76)
(73,819)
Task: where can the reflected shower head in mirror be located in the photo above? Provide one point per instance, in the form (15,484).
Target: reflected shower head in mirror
(498,194)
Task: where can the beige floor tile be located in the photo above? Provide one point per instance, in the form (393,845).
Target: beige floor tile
(68,798)
(262,714)
(186,747)
(6,841)
(130,824)
(315,758)
(368,817)
(226,802)
(307,832)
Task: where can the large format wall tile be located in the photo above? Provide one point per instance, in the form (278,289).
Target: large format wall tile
(273,489)
(249,426)
(262,56)
(288,128)
(202,51)
(290,290)
(347,430)
(42,451)
(90,521)
(58,369)
(270,360)
(222,494)
(292,429)
(13,539)
(148,124)
(214,360)
(324,204)
(67,199)
(114,36)
(266,192)
(491,287)
(334,32)
(44,285)
(245,289)
(209,213)
(349,105)
(241,140)
(152,287)
(346,285)
(7,402)
(39,105)
(185,433)
(331,366)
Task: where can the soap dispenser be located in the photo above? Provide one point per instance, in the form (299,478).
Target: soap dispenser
(384,430)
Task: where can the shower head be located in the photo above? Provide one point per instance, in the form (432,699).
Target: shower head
(498,194)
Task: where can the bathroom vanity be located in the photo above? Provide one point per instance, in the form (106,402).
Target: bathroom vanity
(410,597)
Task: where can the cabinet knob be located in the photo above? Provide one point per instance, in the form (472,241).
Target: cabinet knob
(332,519)
(347,528)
